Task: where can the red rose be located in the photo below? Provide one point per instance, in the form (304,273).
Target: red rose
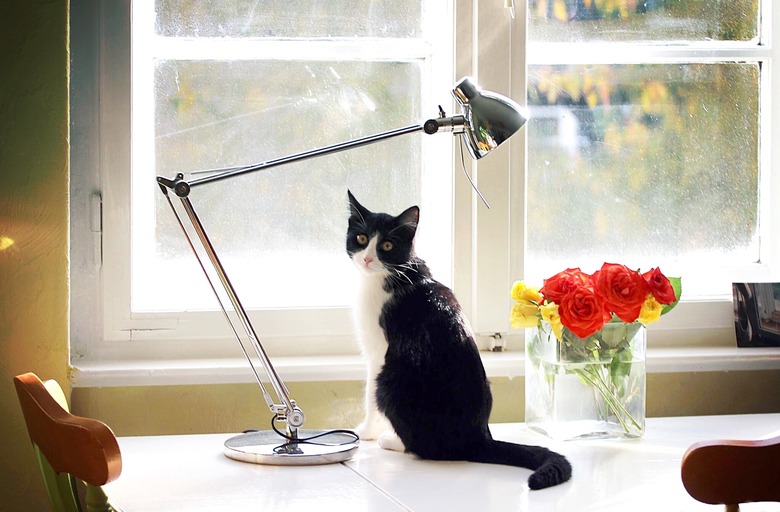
(622,289)
(583,312)
(659,286)
(559,285)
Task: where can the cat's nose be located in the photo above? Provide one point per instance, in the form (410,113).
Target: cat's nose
(368,260)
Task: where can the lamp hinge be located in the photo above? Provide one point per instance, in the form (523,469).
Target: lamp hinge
(96,227)
(510,4)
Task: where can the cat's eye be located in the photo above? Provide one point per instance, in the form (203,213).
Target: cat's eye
(387,246)
(362,239)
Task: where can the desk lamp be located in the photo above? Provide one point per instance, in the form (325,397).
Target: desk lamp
(487,120)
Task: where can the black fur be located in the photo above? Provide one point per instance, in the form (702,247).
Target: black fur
(433,387)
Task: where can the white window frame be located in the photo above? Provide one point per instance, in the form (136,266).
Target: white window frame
(487,244)
(705,321)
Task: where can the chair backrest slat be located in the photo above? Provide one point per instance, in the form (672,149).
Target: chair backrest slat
(83,447)
(730,472)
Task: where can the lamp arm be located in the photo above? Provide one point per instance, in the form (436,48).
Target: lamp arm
(288,410)
(182,188)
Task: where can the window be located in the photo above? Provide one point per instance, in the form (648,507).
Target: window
(215,87)
(238,83)
(649,142)
(222,85)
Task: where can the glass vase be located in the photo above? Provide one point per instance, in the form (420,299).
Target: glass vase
(590,387)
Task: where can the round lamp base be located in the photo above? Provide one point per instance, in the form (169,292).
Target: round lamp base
(268,447)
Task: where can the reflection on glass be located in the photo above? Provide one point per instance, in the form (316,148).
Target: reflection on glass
(284,228)
(634,163)
(304,19)
(643,20)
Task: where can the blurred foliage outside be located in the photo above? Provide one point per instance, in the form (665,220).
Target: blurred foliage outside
(661,158)
(625,161)
(216,113)
(283,19)
(643,20)
(279,230)
(637,162)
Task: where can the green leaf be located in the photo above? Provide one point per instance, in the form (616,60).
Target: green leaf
(677,287)
(620,366)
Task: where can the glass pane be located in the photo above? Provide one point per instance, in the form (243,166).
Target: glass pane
(642,20)
(643,165)
(278,231)
(272,18)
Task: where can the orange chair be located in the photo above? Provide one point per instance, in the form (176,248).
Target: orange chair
(733,472)
(68,447)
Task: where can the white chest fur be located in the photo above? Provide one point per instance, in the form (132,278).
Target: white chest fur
(370,299)
(368,307)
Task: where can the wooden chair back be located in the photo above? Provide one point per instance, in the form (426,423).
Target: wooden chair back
(67,446)
(730,472)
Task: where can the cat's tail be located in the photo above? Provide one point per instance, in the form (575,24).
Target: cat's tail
(550,468)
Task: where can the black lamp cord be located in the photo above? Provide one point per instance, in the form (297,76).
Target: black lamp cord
(352,437)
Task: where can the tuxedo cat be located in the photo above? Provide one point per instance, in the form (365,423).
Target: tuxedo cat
(426,390)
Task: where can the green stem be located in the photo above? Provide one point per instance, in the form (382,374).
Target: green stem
(591,376)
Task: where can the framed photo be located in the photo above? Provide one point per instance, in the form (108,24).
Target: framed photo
(757,314)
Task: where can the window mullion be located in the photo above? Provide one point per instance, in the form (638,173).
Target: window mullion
(235,49)
(770,147)
(492,255)
(638,53)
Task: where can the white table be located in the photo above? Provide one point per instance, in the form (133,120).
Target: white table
(190,473)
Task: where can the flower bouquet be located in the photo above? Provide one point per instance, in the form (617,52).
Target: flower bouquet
(585,348)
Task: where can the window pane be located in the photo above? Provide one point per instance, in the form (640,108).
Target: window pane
(643,164)
(636,20)
(281,230)
(302,18)
(209,113)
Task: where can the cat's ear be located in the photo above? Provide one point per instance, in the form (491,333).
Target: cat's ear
(356,209)
(410,217)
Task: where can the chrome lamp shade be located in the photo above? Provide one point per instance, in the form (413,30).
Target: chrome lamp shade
(487,120)
(490,118)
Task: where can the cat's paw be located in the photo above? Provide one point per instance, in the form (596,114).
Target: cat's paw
(389,440)
(366,431)
(372,426)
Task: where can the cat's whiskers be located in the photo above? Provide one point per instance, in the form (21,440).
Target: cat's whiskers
(409,266)
(400,273)
(397,274)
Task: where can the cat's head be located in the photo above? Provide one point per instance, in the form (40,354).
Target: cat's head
(378,242)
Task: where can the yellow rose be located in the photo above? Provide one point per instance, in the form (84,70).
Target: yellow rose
(524,314)
(521,293)
(651,311)
(550,315)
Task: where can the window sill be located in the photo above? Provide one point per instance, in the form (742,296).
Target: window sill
(86,374)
